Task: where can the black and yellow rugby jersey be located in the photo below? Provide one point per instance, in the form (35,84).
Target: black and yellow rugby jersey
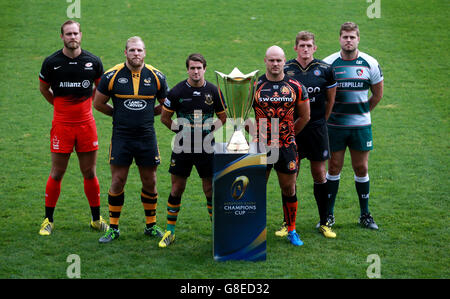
(133,95)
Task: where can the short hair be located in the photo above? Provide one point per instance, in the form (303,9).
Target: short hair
(196,57)
(305,36)
(69,22)
(349,26)
(134,39)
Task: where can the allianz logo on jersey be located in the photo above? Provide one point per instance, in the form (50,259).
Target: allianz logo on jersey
(67,84)
(135,104)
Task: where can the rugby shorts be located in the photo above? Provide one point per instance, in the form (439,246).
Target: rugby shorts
(287,160)
(357,139)
(64,138)
(312,143)
(181,164)
(143,149)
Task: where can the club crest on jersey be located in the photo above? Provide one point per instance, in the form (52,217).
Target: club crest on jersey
(284,90)
(88,66)
(359,72)
(147,81)
(317,72)
(208,99)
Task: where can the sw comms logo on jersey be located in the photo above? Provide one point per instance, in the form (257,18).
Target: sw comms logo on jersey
(135,104)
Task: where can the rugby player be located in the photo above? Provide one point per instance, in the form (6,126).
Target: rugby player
(66,81)
(279,97)
(349,124)
(134,87)
(312,142)
(195,101)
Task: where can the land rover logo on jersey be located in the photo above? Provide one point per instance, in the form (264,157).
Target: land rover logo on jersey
(135,104)
(122,80)
(208,99)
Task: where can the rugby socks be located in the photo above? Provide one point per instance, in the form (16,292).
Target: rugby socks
(92,191)
(149,201)
(52,191)
(173,208)
(115,202)
(362,185)
(290,210)
(321,196)
(333,187)
(209,206)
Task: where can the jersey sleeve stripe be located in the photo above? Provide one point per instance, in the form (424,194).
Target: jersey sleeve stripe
(151,68)
(43,81)
(133,96)
(332,85)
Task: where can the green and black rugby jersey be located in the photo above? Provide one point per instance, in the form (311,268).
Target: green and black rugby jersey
(354,77)
(133,95)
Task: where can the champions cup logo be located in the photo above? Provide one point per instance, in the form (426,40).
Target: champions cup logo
(239,187)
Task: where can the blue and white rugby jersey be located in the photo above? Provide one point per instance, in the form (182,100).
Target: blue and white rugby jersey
(354,78)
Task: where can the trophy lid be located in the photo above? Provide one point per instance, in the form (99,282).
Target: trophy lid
(236,74)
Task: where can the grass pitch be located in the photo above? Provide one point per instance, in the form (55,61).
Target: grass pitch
(408,167)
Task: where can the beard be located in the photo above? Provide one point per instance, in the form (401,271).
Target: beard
(135,62)
(72,45)
(349,50)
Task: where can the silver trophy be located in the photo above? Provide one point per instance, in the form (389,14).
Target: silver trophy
(238,90)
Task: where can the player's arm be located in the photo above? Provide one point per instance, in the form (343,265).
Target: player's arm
(45,90)
(101,103)
(158,108)
(303,110)
(221,119)
(331,95)
(377,94)
(303,113)
(166,119)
